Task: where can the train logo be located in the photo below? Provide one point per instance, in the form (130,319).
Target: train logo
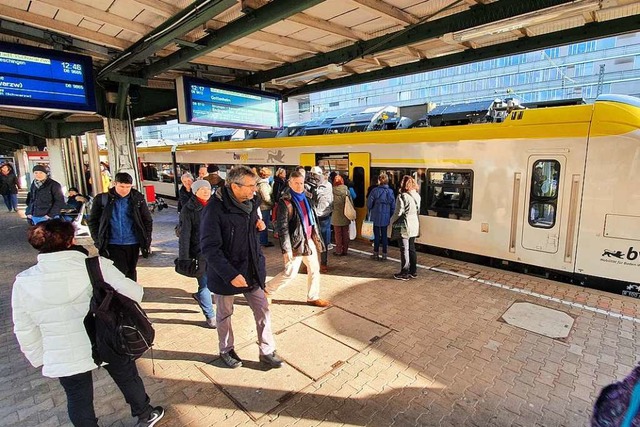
(275,157)
(616,254)
(631,255)
(633,287)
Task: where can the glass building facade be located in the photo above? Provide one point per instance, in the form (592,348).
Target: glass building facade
(580,70)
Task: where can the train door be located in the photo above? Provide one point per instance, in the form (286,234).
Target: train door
(356,166)
(543,203)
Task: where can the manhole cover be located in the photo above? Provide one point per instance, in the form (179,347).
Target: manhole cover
(541,320)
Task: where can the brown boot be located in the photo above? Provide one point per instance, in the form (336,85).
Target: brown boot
(324,269)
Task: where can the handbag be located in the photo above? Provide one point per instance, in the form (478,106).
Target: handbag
(189,267)
(366,231)
(353,232)
(349,210)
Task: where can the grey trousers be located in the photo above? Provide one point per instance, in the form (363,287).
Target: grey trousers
(259,305)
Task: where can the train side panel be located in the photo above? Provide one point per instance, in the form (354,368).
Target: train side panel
(609,239)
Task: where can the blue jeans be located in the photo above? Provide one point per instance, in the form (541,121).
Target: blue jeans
(264,235)
(204,297)
(380,236)
(325,232)
(38,219)
(11,201)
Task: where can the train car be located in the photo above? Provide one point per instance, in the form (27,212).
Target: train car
(552,190)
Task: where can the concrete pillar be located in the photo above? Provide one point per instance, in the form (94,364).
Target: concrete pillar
(93,151)
(121,143)
(75,149)
(55,148)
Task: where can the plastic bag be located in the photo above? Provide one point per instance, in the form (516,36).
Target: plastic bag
(353,232)
(366,231)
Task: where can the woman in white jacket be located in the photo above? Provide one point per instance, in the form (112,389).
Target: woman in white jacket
(50,301)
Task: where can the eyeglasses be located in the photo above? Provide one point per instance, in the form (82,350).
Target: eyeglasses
(245,185)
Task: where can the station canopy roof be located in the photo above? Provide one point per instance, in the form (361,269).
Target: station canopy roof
(293,46)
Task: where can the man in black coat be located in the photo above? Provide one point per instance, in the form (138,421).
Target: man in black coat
(45,198)
(235,264)
(120,224)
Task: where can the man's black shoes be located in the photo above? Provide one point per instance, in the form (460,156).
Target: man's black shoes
(271,360)
(231,359)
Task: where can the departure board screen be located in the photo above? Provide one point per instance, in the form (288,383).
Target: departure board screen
(202,102)
(45,79)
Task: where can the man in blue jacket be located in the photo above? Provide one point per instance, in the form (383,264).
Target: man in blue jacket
(235,264)
(121,225)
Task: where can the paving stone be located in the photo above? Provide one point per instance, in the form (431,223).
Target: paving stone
(447,360)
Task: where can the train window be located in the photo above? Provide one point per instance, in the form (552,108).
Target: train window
(449,193)
(545,178)
(150,172)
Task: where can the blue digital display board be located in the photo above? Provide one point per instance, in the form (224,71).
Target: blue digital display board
(45,79)
(202,102)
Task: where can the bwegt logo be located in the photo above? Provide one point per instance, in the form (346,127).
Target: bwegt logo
(631,254)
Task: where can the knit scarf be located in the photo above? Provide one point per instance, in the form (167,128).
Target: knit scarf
(299,197)
(38,184)
(246,207)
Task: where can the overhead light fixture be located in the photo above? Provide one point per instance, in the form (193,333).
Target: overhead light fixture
(525,20)
(309,74)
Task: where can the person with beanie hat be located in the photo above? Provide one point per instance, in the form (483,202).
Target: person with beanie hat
(45,199)
(198,185)
(189,243)
(214,178)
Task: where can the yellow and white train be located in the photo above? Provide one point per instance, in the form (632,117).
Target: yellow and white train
(552,190)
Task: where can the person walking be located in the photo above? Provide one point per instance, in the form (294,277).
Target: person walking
(50,301)
(300,240)
(45,199)
(9,187)
(189,243)
(265,192)
(213,176)
(120,224)
(381,205)
(405,227)
(279,184)
(323,203)
(338,219)
(235,263)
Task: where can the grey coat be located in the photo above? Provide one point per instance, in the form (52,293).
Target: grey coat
(340,194)
(407,209)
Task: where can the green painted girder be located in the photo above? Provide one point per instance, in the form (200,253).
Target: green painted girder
(14,140)
(50,128)
(477,15)
(256,20)
(589,31)
(121,105)
(194,15)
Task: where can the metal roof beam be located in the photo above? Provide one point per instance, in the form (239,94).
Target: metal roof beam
(256,20)
(196,14)
(480,14)
(589,31)
(14,140)
(32,127)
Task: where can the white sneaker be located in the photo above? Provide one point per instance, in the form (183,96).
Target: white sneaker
(330,246)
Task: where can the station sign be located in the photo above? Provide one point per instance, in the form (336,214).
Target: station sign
(202,102)
(45,79)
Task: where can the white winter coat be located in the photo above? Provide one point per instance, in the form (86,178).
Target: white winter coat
(50,301)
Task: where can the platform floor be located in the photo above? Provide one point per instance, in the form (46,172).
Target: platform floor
(433,351)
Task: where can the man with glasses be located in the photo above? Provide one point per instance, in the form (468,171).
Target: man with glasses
(235,263)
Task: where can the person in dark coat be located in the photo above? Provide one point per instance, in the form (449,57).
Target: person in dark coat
(189,243)
(300,239)
(120,224)
(45,199)
(235,263)
(381,204)
(185,193)
(9,187)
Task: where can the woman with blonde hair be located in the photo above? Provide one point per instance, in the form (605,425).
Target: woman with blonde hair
(405,227)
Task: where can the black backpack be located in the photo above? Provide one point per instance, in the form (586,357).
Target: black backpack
(117,326)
